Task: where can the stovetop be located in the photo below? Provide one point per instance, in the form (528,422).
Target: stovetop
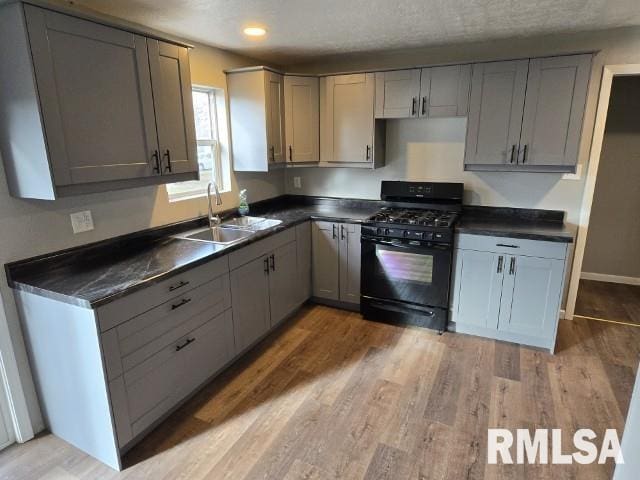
(415,216)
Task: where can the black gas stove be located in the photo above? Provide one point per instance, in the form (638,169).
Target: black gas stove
(407,253)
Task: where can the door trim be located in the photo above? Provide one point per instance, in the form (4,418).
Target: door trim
(609,71)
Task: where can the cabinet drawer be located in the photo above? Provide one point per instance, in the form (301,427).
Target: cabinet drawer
(511,246)
(161,381)
(117,312)
(148,333)
(255,250)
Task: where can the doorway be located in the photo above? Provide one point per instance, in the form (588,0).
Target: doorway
(616,81)
(609,286)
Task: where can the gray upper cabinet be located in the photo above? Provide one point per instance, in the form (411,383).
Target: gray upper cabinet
(397,94)
(553,111)
(171,81)
(87,120)
(256,109)
(495,112)
(429,92)
(527,114)
(445,91)
(349,135)
(302,119)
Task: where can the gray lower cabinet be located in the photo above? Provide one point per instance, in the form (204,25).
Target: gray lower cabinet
(336,261)
(527,115)
(250,294)
(283,280)
(100,107)
(303,247)
(508,289)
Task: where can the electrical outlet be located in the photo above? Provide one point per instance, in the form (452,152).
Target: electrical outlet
(81,221)
(297,182)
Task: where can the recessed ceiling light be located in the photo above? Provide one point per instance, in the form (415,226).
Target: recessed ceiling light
(255,31)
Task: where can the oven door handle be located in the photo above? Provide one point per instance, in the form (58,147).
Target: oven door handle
(405,244)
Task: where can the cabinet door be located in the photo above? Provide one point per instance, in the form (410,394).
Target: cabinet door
(171,82)
(350,263)
(553,111)
(479,277)
(445,91)
(531,296)
(274,103)
(283,282)
(6,435)
(349,118)
(326,270)
(303,247)
(95,96)
(397,94)
(210,347)
(495,112)
(250,300)
(302,118)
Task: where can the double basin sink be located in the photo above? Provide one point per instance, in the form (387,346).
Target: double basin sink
(231,231)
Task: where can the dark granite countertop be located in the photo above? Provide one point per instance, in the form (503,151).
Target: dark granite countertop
(529,224)
(96,274)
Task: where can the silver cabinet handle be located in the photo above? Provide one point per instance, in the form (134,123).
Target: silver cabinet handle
(512,266)
(182,302)
(156,159)
(266,265)
(273,153)
(368,152)
(342,232)
(414,104)
(167,155)
(500,262)
(507,245)
(524,154)
(334,230)
(424,105)
(290,153)
(273,262)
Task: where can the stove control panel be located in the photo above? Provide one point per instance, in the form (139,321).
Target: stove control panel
(410,234)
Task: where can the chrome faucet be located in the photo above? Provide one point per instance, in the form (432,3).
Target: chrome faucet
(214,220)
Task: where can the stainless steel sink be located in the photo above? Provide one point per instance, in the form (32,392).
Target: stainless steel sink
(242,222)
(250,223)
(222,236)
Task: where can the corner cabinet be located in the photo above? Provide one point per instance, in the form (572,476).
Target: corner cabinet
(256,110)
(349,134)
(526,115)
(302,119)
(508,289)
(336,261)
(429,92)
(100,108)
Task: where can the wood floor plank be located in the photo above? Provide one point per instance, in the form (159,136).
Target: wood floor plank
(330,395)
(507,360)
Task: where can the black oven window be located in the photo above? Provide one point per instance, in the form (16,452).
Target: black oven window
(406,266)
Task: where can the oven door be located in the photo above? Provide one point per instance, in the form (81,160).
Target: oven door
(406,271)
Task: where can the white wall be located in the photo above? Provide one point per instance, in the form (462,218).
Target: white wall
(29,227)
(613,242)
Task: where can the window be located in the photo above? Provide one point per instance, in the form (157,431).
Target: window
(213,153)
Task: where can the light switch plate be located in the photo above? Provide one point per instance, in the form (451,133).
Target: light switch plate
(297,182)
(81,221)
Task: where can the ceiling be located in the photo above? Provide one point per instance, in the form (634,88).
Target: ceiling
(301,29)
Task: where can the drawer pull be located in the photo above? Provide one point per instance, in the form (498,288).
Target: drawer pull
(178,285)
(182,302)
(506,245)
(186,342)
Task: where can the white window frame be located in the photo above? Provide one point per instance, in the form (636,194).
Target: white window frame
(199,189)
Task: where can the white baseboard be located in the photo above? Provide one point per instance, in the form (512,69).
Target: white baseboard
(601,277)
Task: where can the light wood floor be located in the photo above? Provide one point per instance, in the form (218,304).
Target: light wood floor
(609,301)
(330,395)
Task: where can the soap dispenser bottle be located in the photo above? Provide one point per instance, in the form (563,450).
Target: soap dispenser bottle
(243,208)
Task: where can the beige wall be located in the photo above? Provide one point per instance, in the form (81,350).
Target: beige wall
(29,228)
(613,242)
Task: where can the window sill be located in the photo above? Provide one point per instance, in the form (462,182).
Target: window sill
(191,195)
